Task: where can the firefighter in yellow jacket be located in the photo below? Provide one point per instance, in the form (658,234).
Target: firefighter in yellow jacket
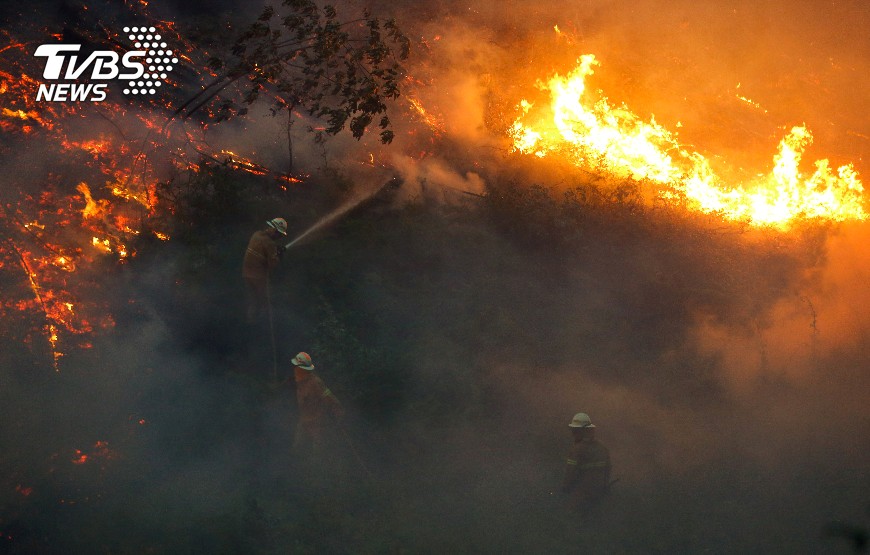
(319,411)
(261,257)
(587,470)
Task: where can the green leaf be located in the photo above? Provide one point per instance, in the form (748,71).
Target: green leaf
(334,71)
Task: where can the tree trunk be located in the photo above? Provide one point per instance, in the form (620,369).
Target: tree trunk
(290,139)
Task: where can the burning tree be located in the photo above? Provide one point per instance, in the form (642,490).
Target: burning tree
(104,194)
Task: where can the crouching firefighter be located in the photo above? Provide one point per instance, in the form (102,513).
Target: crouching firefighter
(320,413)
(587,470)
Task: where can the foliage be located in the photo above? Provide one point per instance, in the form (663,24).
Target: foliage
(388,292)
(195,203)
(343,72)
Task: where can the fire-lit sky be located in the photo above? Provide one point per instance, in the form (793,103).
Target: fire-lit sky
(734,75)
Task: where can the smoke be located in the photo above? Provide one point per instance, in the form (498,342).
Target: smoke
(428,175)
(805,326)
(732,404)
(693,66)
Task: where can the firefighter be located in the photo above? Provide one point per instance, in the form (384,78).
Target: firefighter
(319,410)
(587,470)
(261,257)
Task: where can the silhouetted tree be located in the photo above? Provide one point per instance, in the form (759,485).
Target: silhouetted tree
(342,72)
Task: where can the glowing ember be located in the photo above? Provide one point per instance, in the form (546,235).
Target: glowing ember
(64,263)
(92,209)
(60,235)
(53,235)
(434,123)
(144,197)
(598,136)
(102,244)
(100,450)
(244,164)
(750,101)
(23,490)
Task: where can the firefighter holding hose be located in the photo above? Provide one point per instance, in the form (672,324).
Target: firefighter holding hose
(261,257)
(587,470)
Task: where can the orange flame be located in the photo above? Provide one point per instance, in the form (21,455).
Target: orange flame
(596,135)
(108,217)
(433,122)
(92,209)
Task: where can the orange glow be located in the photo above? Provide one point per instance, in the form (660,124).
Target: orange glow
(92,209)
(122,223)
(103,244)
(95,147)
(24,116)
(100,450)
(143,197)
(65,263)
(613,140)
(15,113)
(117,191)
(434,123)
(243,163)
(46,300)
(19,118)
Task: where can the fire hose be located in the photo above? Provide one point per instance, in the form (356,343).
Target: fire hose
(353,450)
(272,331)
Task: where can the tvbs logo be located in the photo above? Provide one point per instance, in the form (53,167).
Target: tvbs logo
(144,68)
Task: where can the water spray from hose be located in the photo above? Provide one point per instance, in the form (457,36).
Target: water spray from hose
(342,210)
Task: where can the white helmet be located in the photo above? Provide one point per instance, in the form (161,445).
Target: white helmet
(279,224)
(581,420)
(303,360)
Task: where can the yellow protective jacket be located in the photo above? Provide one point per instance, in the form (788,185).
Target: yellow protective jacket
(260,257)
(587,472)
(317,405)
